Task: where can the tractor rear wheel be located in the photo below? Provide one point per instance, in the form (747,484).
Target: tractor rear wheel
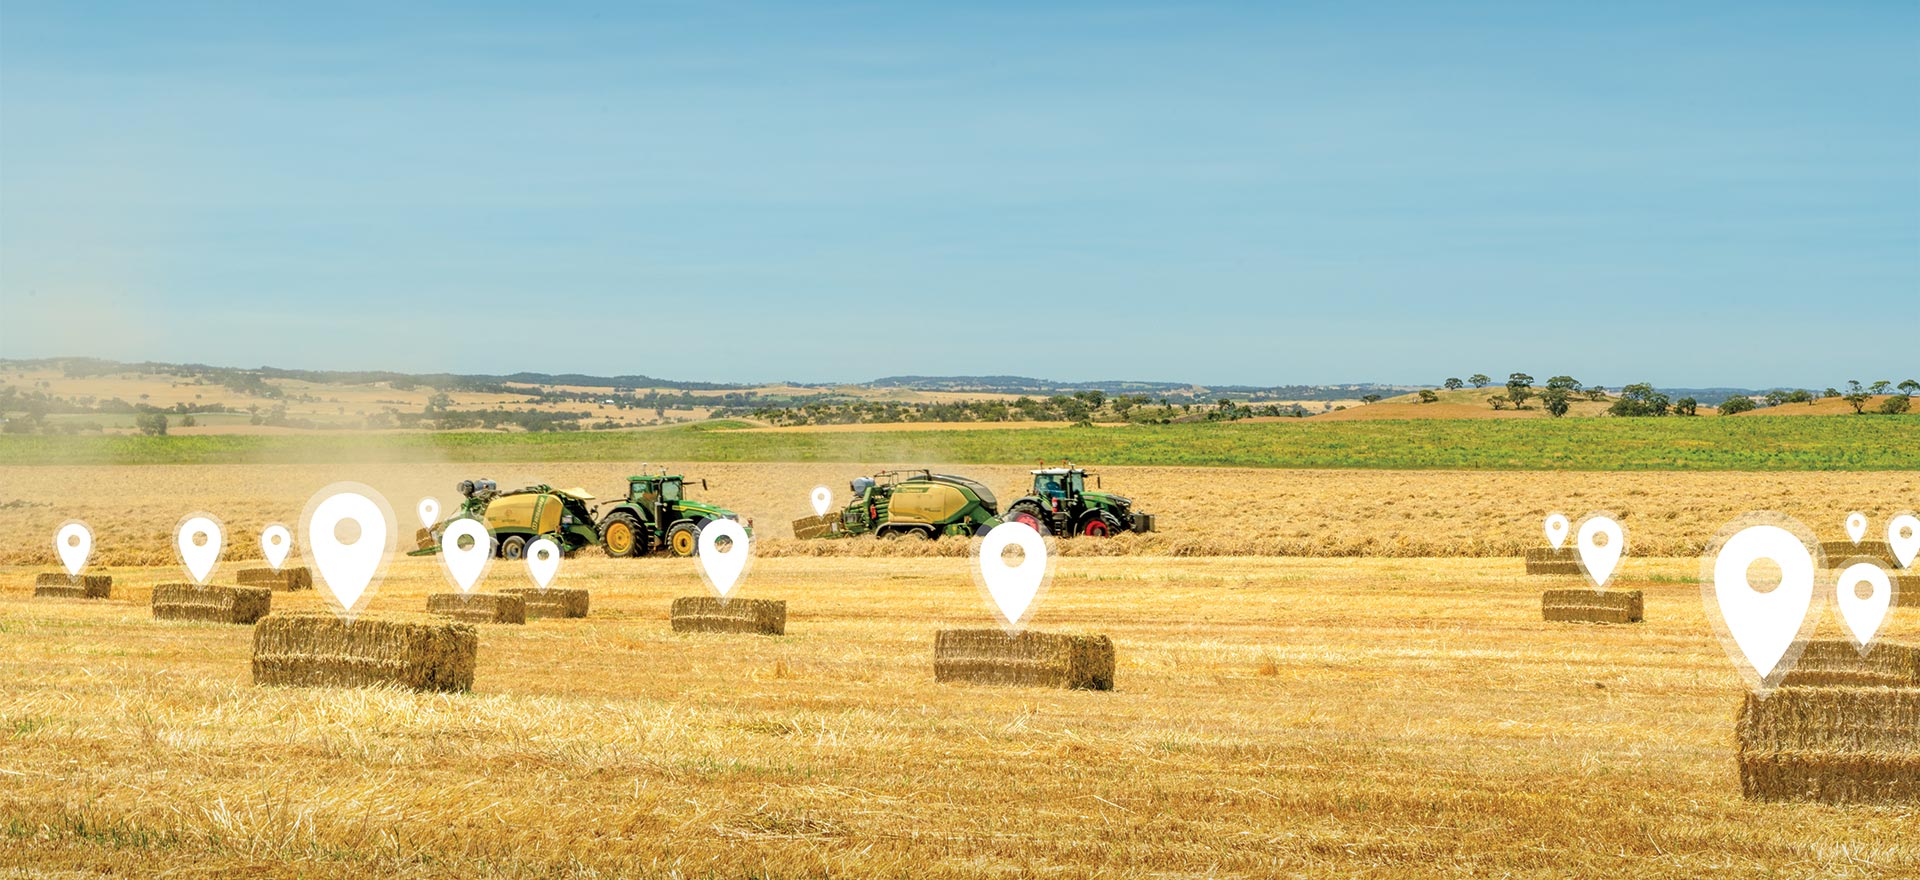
(514,547)
(684,539)
(620,534)
(1029,516)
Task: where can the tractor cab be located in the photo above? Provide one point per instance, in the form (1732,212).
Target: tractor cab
(1063,484)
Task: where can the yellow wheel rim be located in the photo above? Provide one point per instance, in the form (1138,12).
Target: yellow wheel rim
(620,538)
(683,543)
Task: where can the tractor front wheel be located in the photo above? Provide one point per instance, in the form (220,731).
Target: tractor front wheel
(1098,525)
(514,547)
(620,534)
(684,539)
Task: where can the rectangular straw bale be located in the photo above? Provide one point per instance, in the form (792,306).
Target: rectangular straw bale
(815,526)
(1906,587)
(1546,560)
(215,604)
(551,603)
(767,617)
(1592,606)
(1831,744)
(1841,551)
(478,607)
(60,585)
(1030,659)
(1837,663)
(318,649)
(294,578)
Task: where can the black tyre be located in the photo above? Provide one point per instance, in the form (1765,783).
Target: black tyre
(514,547)
(621,535)
(684,539)
(1030,514)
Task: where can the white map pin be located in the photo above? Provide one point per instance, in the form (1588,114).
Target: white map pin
(1903,533)
(74,542)
(1763,624)
(466,549)
(543,560)
(1864,616)
(1013,588)
(1557,529)
(723,568)
(1856,526)
(275,541)
(1601,543)
(349,564)
(198,539)
(822,499)
(429,511)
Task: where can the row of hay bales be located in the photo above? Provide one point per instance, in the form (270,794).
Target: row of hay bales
(1841,728)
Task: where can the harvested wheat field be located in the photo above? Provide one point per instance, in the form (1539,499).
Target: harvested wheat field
(1202,511)
(1271,717)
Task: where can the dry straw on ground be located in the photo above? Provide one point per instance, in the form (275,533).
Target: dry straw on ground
(1838,745)
(213,604)
(552,602)
(292,578)
(1030,659)
(320,649)
(1838,663)
(767,617)
(58,585)
(1593,606)
(479,607)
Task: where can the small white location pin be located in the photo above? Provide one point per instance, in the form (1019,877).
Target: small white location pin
(349,532)
(1856,526)
(822,499)
(543,560)
(1014,589)
(1863,616)
(723,568)
(74,542)
(1903,533)
(429,510)
(466,548)
(275,541)
(1763,620)
(1601,543)
(198,539)
(1557,529)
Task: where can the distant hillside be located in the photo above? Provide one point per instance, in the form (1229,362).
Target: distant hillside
(1177,392)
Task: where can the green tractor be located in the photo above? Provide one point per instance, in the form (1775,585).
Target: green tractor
(657,515)
(519,517)
(1060,504)
(910,504)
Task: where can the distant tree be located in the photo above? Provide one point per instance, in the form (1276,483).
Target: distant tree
(1370,398)
(1557,401)
(1428,396)
(1881,387)
(1519,388)
(1909,387)
(188,422)
(1831,392)
(1800,395)
(1479,380)
(1563,383)
(1597,393)
(152,424)
(1686,406)
(1775,397)
(1856,396)
(1639,399)
(1736,405)
(1896,404)
(1499,401)
(1453,384)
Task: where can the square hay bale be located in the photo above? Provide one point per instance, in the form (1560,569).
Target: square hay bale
(478,607)
(1841,551)
(293,578)
(318,649)
(1836,745)
(815,526)
(767,617)
(214,604)
(59,585)
(1837,663)
(1546,560)
(551,603)
(1030,659)
(1592,606)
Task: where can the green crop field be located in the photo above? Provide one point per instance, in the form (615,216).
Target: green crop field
(1800,443)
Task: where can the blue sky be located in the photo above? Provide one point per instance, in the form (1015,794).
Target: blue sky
(1690,194)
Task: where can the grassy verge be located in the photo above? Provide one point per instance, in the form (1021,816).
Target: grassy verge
(1796,444)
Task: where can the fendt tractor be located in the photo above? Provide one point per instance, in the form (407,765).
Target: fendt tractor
(1060,504)
(909,504)
(516,518)
(657,515)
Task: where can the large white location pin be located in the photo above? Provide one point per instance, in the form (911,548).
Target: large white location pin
(1903,533)
(198,539)
(1013,588)
(1856,526)
(543,560)
(74,542)
(349,532)
(1557,529)
(466,549)
(1863,615)
(723,567)
(1763,619)
(1601,543)
(429,511)
(275,541)
(822,499)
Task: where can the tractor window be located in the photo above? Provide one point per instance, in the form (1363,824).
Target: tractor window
(1076,483)
(670,490)
(1049,485)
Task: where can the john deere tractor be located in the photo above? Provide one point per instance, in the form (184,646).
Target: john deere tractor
(518,517)
(657,515)
(1060,504)
(911,504)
